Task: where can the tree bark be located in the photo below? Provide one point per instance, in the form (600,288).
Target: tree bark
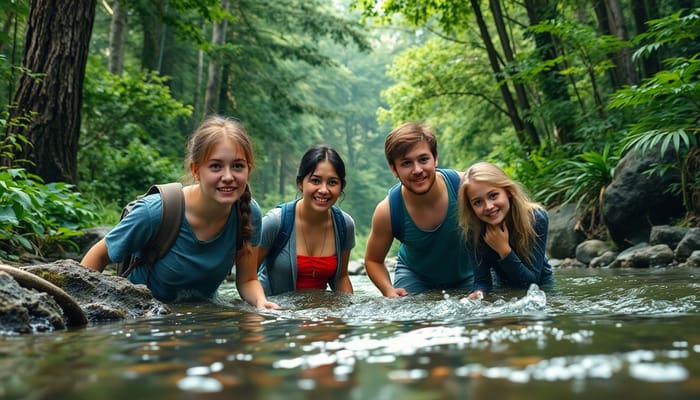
(513,114)
(117,38)
(218,36)
(625,73)
(552,82)
(520,92)
(56,46)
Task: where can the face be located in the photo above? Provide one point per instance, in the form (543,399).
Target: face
(224,174)
(416,169)
(491,204)
(321,188)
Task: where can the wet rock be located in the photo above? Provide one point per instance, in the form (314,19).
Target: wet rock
(667,234)
(25,310)
(566,263)
(693,260)
(562,237)
(628,219)
(644,256)
(588,250)
(689,243)
(604,260)
(101,296)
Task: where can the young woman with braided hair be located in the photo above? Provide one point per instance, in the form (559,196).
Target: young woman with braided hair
(221,224)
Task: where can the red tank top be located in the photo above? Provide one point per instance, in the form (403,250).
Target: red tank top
(315,272)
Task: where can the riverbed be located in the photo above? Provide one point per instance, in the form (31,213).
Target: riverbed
(599,333)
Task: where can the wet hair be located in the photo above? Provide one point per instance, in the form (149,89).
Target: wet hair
(213,130)
(402,139)
(314,155)
(520,220)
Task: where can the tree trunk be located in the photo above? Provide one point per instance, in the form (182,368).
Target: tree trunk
(56,46)
(520,92)
(513,114)
(117,38)
(644,11)
(218,36)
(625,73)
(153,31)
(552,82)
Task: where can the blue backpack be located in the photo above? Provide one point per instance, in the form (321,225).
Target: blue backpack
(396,207)
(286,226)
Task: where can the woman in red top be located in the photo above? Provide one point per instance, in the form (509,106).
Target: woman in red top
(313,257)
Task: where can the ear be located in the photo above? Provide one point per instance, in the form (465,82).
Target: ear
(436,162)
(393,170)
(194,171)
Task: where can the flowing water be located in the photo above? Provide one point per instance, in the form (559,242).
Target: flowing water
(599,334)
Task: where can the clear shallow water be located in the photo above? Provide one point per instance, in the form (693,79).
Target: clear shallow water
(624,334)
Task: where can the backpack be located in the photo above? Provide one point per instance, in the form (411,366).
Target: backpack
(396,207)
(163,239)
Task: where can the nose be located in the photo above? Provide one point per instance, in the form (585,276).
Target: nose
(228,174)
(417,169)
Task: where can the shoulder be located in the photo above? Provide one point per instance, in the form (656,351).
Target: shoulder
(382,210)
(541,218)
(349,221)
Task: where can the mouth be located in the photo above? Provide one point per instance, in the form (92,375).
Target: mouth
(322,200)
(226,189)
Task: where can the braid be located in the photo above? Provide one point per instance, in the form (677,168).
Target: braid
(245,227)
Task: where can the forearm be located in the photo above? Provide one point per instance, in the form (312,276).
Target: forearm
(379,275)
(97,257)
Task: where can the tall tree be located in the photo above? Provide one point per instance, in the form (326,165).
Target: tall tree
(50,90)
(117,37)
(218,37)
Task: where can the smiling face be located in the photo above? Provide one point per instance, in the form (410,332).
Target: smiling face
(321,188)
(223,174)
(416,168)
(490,203)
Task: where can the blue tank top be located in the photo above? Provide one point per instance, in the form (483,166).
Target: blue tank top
(440,256)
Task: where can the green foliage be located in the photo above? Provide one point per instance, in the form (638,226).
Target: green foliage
(667,105)
(583,180)
(130,134)
(37,217)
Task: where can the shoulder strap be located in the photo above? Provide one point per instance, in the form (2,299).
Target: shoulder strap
(396,212)
(340,223)
(171,219)
(286,225)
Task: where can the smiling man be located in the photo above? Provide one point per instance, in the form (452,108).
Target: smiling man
(421,211)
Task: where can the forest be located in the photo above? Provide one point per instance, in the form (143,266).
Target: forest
(99,97)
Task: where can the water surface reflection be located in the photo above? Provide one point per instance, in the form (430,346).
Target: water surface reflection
(624,333)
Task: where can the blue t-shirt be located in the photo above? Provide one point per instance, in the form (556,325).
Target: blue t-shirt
(192,268)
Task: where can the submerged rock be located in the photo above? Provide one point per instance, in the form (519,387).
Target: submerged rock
(101,297)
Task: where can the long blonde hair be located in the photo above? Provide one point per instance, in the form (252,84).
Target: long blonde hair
(520,220)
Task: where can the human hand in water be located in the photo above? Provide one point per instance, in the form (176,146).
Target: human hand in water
(396,292)
(267,305)
(476,295)
(496,237)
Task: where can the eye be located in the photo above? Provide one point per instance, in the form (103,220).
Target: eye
(476,203)
(239,166)
(493,195)
(424,160)
(405,164)
(333,182)
(215,166)
(314,180)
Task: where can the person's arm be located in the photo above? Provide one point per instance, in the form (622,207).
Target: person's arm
(515,269)
(483,283)
(344,285)
(97,257)
(378,245)
(247,283)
